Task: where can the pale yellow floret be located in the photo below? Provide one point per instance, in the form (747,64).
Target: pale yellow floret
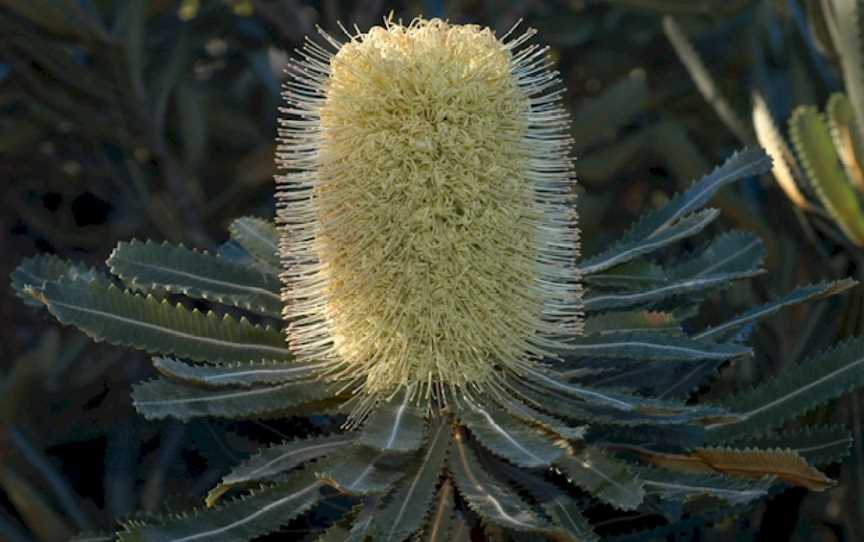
(428,223)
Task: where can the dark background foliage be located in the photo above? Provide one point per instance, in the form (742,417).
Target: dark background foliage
(156,119)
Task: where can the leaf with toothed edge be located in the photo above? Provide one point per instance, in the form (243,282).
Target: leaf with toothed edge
(240,374)
(262,511)
(652,297)
(161,398)
(654,229)
(564,511)
(490,499)
(507,436)
(730,252)
(752,463)
(260,239)
(626,251)
(107,313)
(158,268)
(363,471)
(408,505)
(31,275)
(443,516)
(819,445)
(683,486)
(809,133)
(277,459)
(607,479)
(396,426)
(795,391)
(653,345)
(730,328)
(544,421)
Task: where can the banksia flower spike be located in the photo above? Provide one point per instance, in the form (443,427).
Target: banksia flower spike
(424,267)
(428,219)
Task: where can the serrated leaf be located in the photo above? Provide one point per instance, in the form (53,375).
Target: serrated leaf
(637,320)
(507,436)
(607,479)
(239,374)
(730,328)
(488,498)
(795,391)
(658,294)
(106,313)
(443,515)
(259,513)
(846,137)
(653,345)
(159,268)
(632,275)
(34,273)
(679,218)
(683,486)
(564,511)
(160,398)
(260,239)
(409,504)
(752,463)
(545,422)
(277,459)
(553,393)
(812,141)
(629,249)
(732,252)
(363,471)
(396,426)
(821,445)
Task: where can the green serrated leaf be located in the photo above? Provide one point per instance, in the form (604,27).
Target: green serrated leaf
(260,239)
(507,436)
(408,506)
(609,480)
(681,486)
(660,294)
(396,426)
(363,471)
(106,313)
(239,374)
(162,399)
(679,218)
(730,328)
(258,513)
(538,419)
(443,516)
(846,137)
(729,253)
(34,273)
(564,511)
(654,345)
(628,249)
(489,498)
(159,268)
(277,459)
(809,133)
(795,391)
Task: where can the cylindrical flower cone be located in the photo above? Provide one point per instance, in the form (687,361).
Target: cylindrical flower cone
(428,223)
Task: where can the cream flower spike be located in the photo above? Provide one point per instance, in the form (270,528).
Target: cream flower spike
(427,216)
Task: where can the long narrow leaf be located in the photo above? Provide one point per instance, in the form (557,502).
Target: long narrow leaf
(109,314)
(152,267)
